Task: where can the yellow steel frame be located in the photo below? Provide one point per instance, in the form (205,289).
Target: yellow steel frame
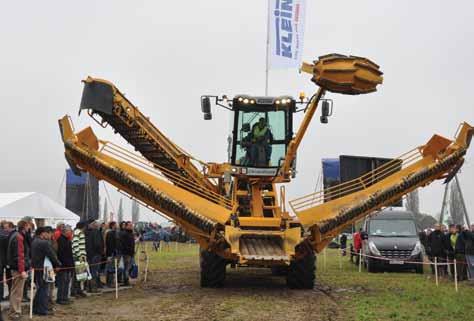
(315,209)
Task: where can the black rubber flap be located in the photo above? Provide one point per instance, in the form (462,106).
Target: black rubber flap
(97,96)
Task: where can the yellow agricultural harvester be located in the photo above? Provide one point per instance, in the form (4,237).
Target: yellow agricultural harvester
(235,210)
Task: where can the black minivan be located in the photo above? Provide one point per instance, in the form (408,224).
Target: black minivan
(392,242)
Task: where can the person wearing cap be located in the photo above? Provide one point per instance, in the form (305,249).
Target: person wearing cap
(41,249)
(95,251)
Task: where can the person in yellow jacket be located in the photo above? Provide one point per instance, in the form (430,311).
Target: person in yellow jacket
(260,151)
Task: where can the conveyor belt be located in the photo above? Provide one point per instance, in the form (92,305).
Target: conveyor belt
(351,201)
(197,214)
(105,100)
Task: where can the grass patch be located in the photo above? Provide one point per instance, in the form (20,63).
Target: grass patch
(396,296)
(173,293)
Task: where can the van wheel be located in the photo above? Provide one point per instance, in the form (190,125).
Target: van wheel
(212,269)
(419,269)
(302,272)
(371,266)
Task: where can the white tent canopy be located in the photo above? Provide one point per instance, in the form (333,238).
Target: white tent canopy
(15,206)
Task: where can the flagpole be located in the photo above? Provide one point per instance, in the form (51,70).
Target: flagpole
(267,62)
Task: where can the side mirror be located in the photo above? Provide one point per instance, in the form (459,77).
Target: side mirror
(245,127)
(326,111)
(206,108)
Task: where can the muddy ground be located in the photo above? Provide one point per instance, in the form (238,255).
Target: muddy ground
(172,292)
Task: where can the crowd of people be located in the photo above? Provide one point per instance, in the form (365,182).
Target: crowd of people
(58,257)
(445,244)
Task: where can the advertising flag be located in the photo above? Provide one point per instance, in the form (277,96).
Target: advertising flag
(286,31)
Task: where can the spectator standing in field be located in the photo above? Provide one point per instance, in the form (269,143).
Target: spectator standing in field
(460,252)
(41,249)
(126,249)
(18,258)
(436,248)
(58,232)
(79,254)
(7,229)
(95,250)
(451,238)
(64,242)
(343,244)
(111,251)
(357,239)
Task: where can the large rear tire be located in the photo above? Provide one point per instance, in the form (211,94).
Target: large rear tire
(212,269)
(302,272)
(280,270)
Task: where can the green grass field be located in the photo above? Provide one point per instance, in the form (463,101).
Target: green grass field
(172,292)
(374,296)
(398,296)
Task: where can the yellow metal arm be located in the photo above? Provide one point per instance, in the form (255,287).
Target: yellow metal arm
(328,212)
(101,97)
(199,213)
(342,74)
(295,142)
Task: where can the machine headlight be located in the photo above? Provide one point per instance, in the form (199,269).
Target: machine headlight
(277,102)
(373,249)
(417,249)
(246,101)
(240,99)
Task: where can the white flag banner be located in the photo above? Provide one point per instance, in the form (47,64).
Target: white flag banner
(286,32)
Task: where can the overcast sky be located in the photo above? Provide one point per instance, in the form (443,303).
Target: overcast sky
(165,54)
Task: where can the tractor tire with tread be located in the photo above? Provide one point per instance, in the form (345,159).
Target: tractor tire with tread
(302,272)
(213,269)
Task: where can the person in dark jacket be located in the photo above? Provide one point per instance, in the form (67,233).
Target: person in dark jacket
(64,242)
(460,252)
(436,248)
(41,249)
(95,250)
(18,258)
(7,229)
(343,240)
(126,247)
(111,251)
(470,241)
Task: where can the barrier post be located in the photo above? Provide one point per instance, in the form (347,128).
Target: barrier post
(455,276)
(360,260)
(138,260)
(340,260)
(436,270)
(116,279)
(146,268)
(324,261)
(32,284)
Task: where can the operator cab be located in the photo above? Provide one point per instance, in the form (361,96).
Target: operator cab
(262,130)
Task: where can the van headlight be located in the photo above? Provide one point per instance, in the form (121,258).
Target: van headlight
(373,249)
(417,249)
